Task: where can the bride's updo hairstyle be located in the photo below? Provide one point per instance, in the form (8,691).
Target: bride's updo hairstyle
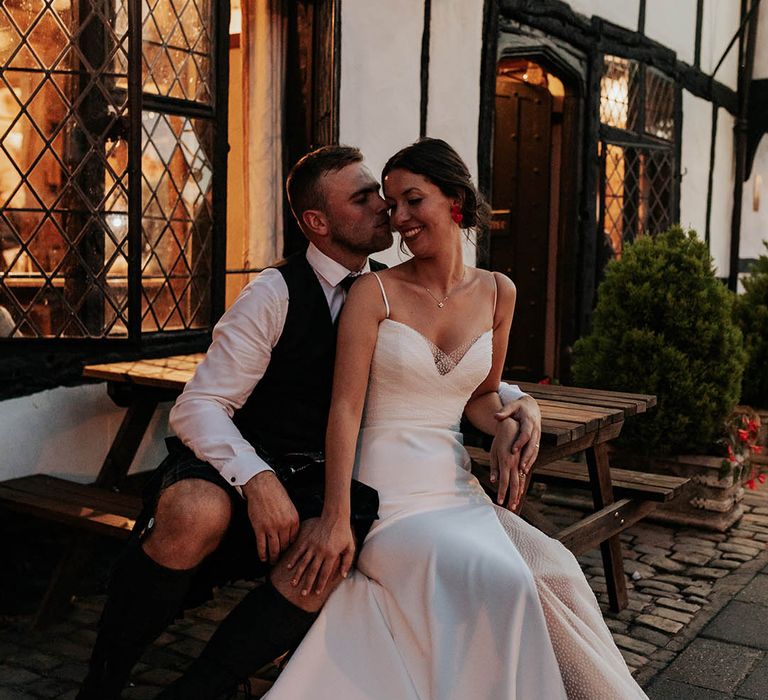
(435,160)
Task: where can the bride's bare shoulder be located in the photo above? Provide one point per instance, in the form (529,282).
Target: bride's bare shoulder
(505,287)
(506,292)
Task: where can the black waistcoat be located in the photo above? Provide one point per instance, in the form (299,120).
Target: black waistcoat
(288,409)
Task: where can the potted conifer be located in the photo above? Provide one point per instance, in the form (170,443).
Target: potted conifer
(663,325)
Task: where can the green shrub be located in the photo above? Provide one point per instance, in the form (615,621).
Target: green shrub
(751,313)
(663,326)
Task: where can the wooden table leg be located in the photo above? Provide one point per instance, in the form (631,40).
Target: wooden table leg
(126,443)
(58,596)
(602,495)
(113,471)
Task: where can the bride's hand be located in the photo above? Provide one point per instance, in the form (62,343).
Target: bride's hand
(321,549)
(505,464)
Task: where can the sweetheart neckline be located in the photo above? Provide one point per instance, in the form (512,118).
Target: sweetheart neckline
(469,344)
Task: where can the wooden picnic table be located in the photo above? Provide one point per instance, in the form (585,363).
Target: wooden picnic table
(574,420)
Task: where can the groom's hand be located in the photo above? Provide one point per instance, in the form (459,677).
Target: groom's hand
(527,413)
(505,464)
(273,516)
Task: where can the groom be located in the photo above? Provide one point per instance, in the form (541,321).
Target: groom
(215,511)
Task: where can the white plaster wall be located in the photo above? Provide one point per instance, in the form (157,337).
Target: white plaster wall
(455,54)
(673,24)
(380,80)
(761,47)
(67,432)
(625,13)
(380,96)
(697,129)
(754,224)
(719,24)
(722,194)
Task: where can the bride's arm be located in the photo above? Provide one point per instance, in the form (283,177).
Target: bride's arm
(332,544)
(358,330)
(484,405)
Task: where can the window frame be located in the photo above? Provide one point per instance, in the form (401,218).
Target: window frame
(32,364)
(638,138)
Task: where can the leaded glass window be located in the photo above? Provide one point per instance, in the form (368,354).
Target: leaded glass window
(106,167)
(636,151)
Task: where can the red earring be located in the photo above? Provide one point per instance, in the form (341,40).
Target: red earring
(456,214)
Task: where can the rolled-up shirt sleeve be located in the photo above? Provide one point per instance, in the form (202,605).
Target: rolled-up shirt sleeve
(510,392)
(235,363)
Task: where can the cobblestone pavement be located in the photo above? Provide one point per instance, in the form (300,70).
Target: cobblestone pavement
(696,625)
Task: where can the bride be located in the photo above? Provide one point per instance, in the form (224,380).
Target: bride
(456,596)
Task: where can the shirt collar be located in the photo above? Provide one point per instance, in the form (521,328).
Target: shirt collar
(330,270)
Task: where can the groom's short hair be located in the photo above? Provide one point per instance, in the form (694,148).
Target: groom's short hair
(303,185)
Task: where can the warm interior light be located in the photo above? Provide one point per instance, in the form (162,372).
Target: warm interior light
(235,17)
(615,101)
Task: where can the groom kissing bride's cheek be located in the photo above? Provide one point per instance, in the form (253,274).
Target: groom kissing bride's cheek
(318,446)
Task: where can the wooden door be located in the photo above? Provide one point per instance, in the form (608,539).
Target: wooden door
(519,240)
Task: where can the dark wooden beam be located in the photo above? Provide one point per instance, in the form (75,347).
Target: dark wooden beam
(711,177)
(699,23)
(220,128)
(424,73)
(757,120)
(750,12)
(486,116)
(596,34)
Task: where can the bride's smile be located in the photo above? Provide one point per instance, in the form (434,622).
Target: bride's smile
(419,211)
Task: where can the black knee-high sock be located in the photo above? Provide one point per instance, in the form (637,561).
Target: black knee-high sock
(260,628)
(143,598)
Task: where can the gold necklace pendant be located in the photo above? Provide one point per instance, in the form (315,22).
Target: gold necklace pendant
(441,303)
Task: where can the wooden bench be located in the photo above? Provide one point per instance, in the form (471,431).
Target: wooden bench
(80,505)
(87,508)
(637,494)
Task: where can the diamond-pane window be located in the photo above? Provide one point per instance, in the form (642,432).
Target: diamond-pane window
(177,47)
(176,221)
(659,105)
(82,254)
(618,93)
(637,186)
(636,193)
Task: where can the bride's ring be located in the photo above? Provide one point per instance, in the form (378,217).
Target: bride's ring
(521,473)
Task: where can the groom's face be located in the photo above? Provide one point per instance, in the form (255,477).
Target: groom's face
(356,212)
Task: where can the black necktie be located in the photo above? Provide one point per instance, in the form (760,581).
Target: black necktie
(348,281)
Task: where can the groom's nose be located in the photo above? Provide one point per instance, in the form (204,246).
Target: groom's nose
(380,204)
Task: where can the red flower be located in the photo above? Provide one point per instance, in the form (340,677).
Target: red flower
(761,478)
(743,435)
(752,425)
(751,485)
(546,380)
(757,449)
(731,456)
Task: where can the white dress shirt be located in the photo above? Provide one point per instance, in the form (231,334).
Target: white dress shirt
(236,361)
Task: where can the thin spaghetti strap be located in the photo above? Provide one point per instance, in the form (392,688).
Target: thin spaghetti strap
(495,294)
(383,293)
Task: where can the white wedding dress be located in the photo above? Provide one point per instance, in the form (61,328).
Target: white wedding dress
(453,597)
